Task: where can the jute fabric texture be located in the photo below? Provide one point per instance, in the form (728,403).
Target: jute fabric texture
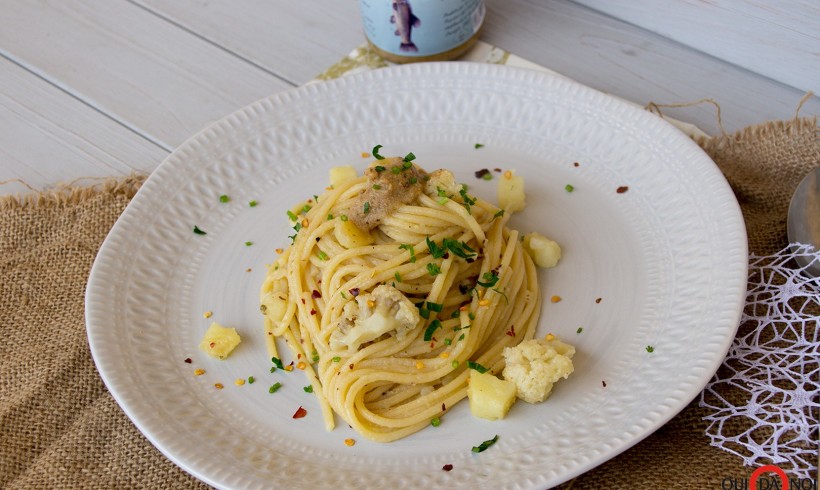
(60,428)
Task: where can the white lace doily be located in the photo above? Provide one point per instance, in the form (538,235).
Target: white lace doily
(764,400)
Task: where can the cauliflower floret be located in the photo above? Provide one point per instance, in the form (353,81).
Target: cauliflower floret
(544,252)
(372,315)
(444,180)
(535,365)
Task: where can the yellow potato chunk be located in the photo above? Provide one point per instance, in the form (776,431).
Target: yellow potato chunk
(350,236)
(219,341)
(511,192)
(544,252)
(342,174)
(490,397)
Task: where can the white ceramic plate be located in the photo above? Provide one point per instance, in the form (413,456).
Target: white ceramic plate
(667,258)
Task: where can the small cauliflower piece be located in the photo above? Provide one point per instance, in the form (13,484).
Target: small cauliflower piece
(372,315)
(536,365)
(490,397)
(219,341)
(444,180)
(350,236)
(342,174)
(544,252)
(511,195)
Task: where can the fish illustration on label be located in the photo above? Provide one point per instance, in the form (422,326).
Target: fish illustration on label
(405,23)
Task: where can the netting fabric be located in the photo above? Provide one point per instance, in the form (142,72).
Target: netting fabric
(764,400)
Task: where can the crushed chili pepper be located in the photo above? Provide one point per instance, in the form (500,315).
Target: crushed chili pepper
(598,300)
(315,294)
(354,292)
(603,383)
(622,189)
(188,360)
(300,412)
(447,467)
(481,173)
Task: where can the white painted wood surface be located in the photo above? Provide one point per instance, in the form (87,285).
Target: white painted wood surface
(107,87)
(779,40)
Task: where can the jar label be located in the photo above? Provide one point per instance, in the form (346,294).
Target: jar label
(421,27)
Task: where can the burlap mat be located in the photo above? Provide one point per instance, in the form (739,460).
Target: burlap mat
(59,427)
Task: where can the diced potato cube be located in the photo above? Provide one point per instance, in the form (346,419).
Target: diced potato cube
(219,341)
(342,174)
(351,236)
(511,192)
(490,397)
(544,252)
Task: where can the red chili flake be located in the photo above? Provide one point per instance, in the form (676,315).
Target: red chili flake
(212,344)
(350,366)
(312,311)
(447,467)
(315,294)
(354,292)
(576,164)
(622,189)
(497,170)
(303,300)
(603,383)
(598,300)
(299,355)
(301,412)
(443,407)
(481,173)
(188,360)
(511,332)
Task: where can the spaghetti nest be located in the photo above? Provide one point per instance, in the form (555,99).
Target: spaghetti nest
(397,282)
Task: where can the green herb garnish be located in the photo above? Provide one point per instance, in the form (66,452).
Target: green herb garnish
(198,231)
(478,367)
(435,422)
(315,356)
(433,269)
(292,216)
(366,207)
(409,248)
(436,251)
(434,325)
(251,379)
(580,329)
(322,255)
(460,249)
(336,359)
(376,187)
(224,198)
(248,244)
(491,279)
(650,349)
(409,158)
(274,387)
(478,145)
(375,152)
(343,217)
(397,276)
(379,168)
(569,188)
(499,214)
(253,204)
(484,445)
(434,306)
(308,388)
(276,362)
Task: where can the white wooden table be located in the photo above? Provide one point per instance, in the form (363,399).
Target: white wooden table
(95,88)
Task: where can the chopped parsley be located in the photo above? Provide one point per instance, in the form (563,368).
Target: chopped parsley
(366,207)
(336,359)
(460,249)
(248,244)
(375,152)
(478,367)
(379,168)
(315,356)
(198,231)
(434,306)
(435,422)
(274,387)
(428,334)
(580,329)
(409,248)
(224,198)
(409,158)
(308,388)
(292,216)
(484,445)
(343,217)
(478,146)
(499,214)
(650,349)
(569,188)
(252,204)
(277,362)
(433,269)
(376,187)
(491,279)
(397,276)
(468,201)
(322,255)
(436,251)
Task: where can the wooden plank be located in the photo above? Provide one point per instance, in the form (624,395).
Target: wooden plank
(48,136)
(640,66)
(779,40)
(139,69)
(296,40)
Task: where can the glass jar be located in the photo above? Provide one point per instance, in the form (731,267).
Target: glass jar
(402,31)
